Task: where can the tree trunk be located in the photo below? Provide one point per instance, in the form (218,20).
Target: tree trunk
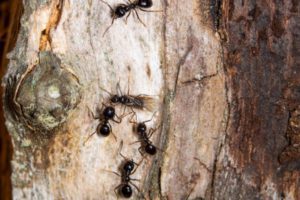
(224,77)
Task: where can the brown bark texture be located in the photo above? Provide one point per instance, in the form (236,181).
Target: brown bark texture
(224,76)
(10,13)
(261,62)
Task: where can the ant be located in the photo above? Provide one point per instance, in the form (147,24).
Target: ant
(121,10)
(104,127)
(141,129)
(140,102)
(128,168)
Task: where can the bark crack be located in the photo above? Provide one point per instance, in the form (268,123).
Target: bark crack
(182,61)
(53,21)
(202,79)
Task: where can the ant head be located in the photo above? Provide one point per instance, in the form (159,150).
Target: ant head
(103,129)
(120,11)
(141,128)
(109,112)
(115,99)
(128,166)
(126,191)
(150,149)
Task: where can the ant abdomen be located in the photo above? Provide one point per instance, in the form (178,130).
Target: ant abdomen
(126,191)
(145,3)
(103,129)
(150,149)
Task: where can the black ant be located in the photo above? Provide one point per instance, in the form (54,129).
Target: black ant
(104,127)
(141,129)
(140,102)
(121,10)
(127,169)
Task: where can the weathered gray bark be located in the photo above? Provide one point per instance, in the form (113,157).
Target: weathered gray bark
(56,72)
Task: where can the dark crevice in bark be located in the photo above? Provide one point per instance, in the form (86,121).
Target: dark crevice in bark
(216,13)
(52,24)
(202,79)
(214,171)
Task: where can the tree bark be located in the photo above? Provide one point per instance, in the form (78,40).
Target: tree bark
(223,73)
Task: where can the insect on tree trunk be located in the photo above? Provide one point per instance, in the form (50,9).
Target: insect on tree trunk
(224,77)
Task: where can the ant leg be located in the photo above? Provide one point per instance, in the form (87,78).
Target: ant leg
(133,114)
(127,17)
(115,190)
(140,150)
(120,149)
(150,118)
(119,119)
(151,131)
(112,21)
(123,110)
(105,90)
(113,17)
(134,179)
(112,132)
(136,187)
(115,173)
(88,138)
(114,135)
(118,88)
(137,165)
(139,18)
(91,112)
(150,10)
(136,142)
(103,105)
(108,5)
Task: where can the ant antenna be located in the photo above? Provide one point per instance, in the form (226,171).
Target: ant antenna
(105,90)
(88,138)
(128,83)
(118,87)
(113,17)
(111,9)
(133,115)
(120,149)
(151,118)
(135,122)
(139,18)
(109,26)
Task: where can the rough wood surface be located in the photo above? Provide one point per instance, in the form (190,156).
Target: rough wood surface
(260,159)
(10,14)
(224,134)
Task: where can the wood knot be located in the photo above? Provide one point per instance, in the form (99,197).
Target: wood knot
(47,93)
